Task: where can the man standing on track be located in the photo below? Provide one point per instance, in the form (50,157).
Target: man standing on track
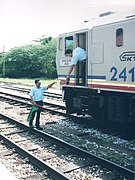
(36,98)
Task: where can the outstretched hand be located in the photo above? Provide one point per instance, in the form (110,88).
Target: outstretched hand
(67,80)
(50,85)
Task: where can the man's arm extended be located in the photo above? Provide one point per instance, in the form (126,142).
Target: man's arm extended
(50,85)
(71,69)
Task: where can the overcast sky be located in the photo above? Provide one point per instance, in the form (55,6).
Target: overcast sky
(22,21)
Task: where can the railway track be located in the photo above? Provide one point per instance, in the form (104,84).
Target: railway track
(19,165)
(43,149)
(56,105)
(17,100)
(27,90)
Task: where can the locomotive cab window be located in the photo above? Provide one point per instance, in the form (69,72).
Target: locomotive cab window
(119,37)
(69,43)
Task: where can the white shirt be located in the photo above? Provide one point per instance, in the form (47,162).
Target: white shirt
(79,54)
(38,93)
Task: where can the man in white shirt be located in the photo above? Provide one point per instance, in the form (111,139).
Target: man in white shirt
(36,98)
(78,54)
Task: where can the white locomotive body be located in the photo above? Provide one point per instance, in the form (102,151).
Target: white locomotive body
(104,84)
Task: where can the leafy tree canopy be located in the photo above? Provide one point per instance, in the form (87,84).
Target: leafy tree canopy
(31,61)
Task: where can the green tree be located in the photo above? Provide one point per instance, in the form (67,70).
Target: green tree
(31,61)
(1,63)
(43,40)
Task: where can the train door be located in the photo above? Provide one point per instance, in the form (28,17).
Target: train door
(81,70)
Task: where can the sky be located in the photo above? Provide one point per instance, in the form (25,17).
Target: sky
(22,21)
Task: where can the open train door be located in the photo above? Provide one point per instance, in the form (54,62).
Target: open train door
(81,67)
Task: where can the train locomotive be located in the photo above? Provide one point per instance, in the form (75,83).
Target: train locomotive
(103,85)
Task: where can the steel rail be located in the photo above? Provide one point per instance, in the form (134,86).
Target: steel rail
(48,94)
(28,99)
(55,108)
(99,160)
(35,160)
